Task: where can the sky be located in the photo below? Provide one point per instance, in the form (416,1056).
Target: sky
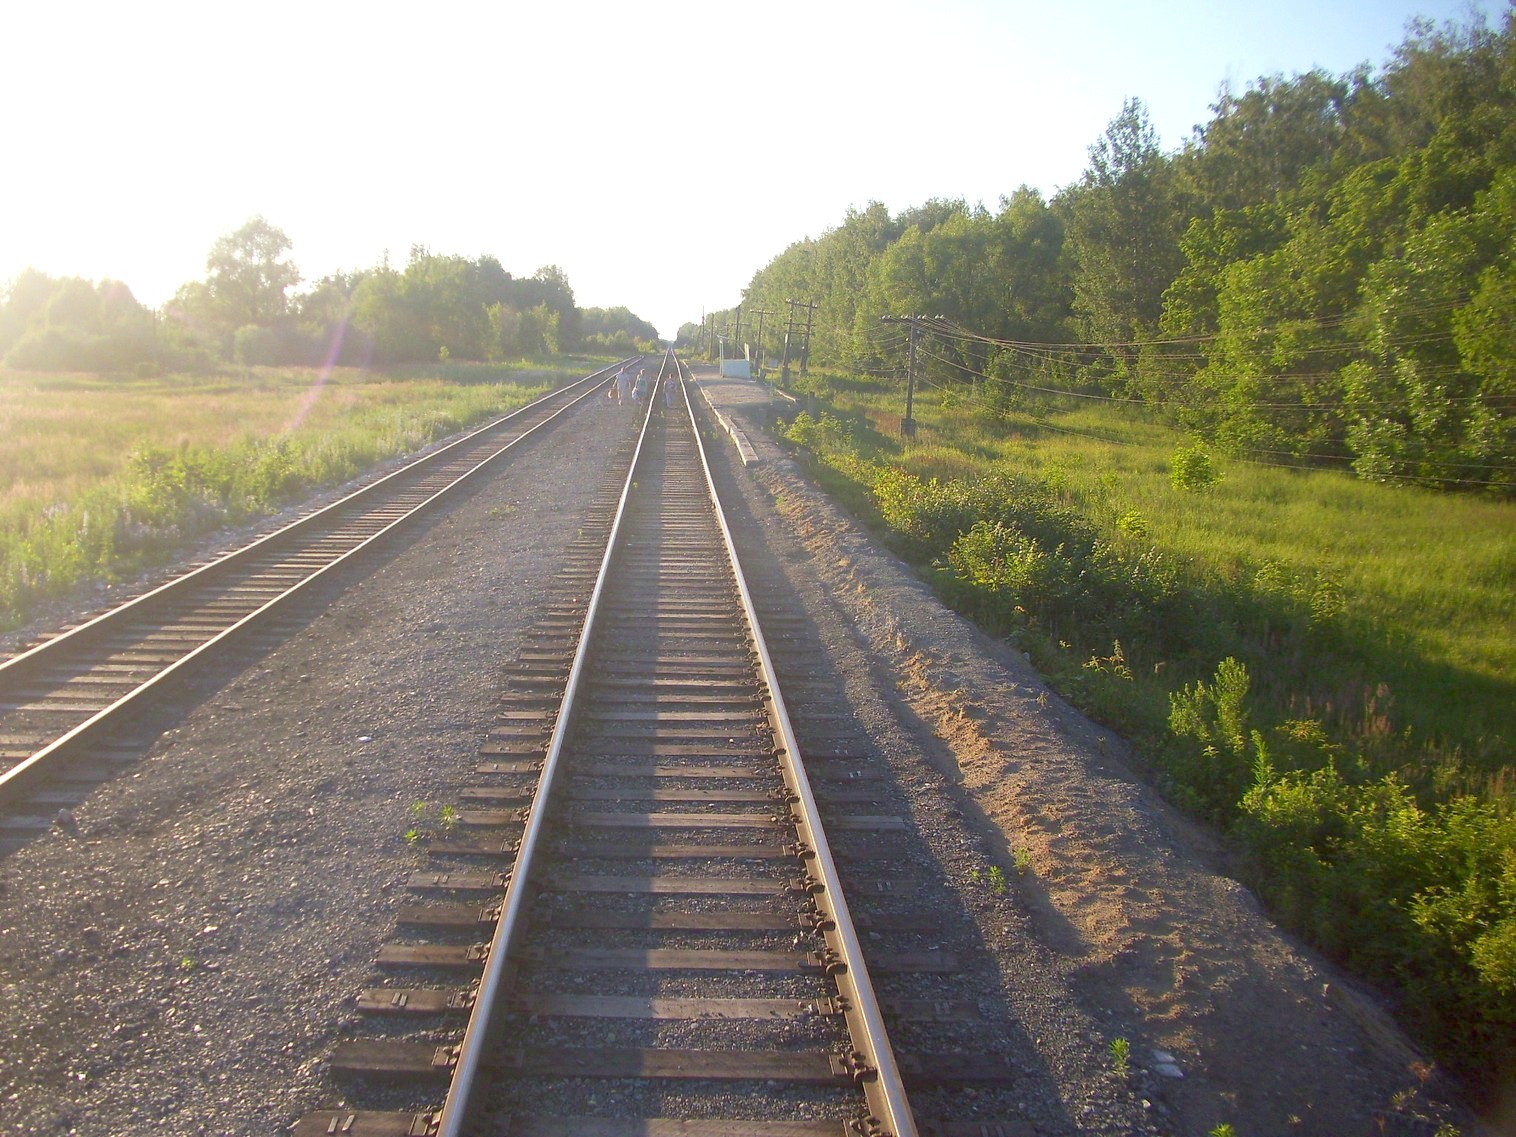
(660,152)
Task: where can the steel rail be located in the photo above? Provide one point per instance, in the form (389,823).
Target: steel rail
(511,921)
(881,1080)
(16,781)
(876,1070)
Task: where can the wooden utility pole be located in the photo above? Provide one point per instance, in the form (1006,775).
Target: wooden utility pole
(784,359)
(789,333)
(908,423)
(760,313)
(805,347)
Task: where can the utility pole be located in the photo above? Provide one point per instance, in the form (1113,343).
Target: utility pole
(805,348)
(908,424)
(784,360)
(760,312)
(789,333)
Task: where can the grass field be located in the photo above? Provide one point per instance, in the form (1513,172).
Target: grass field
(1422,585)
(101,477)
(1322,667)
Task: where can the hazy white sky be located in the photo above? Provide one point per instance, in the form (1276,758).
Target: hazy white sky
(660,152)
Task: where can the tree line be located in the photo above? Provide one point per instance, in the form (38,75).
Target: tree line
(247,310)
(1324,274)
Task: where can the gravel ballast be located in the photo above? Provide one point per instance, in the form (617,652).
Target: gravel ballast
(182,958)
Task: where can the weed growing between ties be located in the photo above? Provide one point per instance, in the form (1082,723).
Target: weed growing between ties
(1320,666)
(429,822)
(106,477)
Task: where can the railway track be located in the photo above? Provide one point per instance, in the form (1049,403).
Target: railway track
(67,698)
(632,922)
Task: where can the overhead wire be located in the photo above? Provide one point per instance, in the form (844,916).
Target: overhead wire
(892,336)
(1189,404)
(1043,424)
(1308,456)
(1430,371)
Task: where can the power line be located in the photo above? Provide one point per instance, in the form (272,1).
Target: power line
(1247,452)
(1043,424)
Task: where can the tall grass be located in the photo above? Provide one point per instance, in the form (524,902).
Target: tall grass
(100,478)
(1423,585)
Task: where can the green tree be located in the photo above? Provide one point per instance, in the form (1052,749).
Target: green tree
(603,327)
(1031,287)
(552,288)
(1433,399)
(70,324)
(24,303)
(688,336)
(841,265)
(1124,223)
(323,318)
(473,309)
(249,277)
(1262,143)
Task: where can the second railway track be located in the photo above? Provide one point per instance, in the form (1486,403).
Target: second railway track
(68,695)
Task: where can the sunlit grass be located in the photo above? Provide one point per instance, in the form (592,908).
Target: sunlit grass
(1427,580)
(99,477)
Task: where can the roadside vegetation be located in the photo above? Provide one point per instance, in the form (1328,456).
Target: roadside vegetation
(1224,436)
(1319,666)
(101,478)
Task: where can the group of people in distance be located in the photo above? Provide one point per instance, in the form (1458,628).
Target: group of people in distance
(629,389)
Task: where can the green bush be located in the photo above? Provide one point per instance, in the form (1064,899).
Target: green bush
(924,517)
(1214,757)
(1140,595)
(928,515)
(1005,576)
(1191,469)
(1423,901)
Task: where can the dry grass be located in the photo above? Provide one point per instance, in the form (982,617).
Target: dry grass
(100,476)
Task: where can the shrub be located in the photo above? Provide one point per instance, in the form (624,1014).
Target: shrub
(926,517)
(1132,524)
(1422,900)
(822,434)
(1211,760)
(1141,594)
(1007,575)
(1191,469)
